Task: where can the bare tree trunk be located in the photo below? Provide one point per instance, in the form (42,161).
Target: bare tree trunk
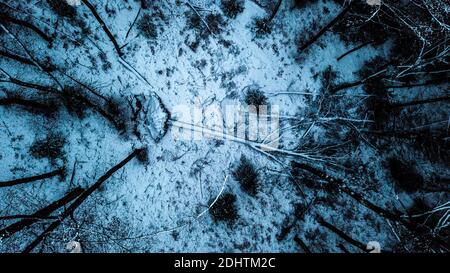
(69,211)
(6,18)
(30,179)
(43,213)
(430,82)
(342,234)
(274,12)
(40,107)
(419,102)
(353,50)
(326,28)
(15,57)
(302,244)
(340,185)
(104,27)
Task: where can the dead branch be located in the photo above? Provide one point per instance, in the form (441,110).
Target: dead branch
(91,90)
(46,89)
(134,22)
(33,59)
(359,82)
(201,18)
(426,83)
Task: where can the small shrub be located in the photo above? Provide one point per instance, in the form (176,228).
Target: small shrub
(261,27)
(51,147)
(142,156)
(146,4)
(106,64)
(405,47)
(247,176)
(405,176)
(224,209)
(215,23)
(231,8)
(147,28)
(255,97)
(62,8)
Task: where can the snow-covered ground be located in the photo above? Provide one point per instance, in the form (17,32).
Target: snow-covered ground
(158,206)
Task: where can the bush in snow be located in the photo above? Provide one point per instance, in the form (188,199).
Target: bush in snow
(143,157)
(247,176)
(255,97)
(225,209)
(62,8)
(147,28)
(51,147)
(231,8)
(261,27)
(212,24)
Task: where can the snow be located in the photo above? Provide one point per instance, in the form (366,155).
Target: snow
(154,206)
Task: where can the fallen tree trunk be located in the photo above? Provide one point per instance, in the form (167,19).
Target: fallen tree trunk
(426,83)
(35,86)
(43,213)
(353,50)
(15,57)
(342,234)
(274,12)
(25,216)
(42,108)
(419,102)
(302,244)
(340,185)
(26,24)
(69,211)
(104,27)
(326,28)
(30,179)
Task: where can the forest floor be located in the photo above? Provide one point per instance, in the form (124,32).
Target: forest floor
(161,205)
